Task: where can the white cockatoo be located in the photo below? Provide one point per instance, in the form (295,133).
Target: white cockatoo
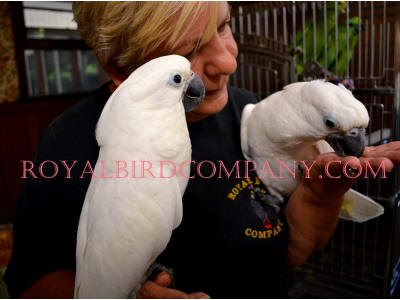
(298,123)
(126,223)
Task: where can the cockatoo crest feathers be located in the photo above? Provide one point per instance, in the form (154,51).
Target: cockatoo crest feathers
(293,86)
(344,88)
(144,81)
(328,100)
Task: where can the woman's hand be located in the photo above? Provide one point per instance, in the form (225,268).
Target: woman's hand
(159,288)
(330,167)
(313,208)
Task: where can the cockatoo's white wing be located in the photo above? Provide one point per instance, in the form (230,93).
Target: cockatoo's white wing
(359,208)
(120,242)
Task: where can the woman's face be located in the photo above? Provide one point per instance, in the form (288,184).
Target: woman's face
(213,62)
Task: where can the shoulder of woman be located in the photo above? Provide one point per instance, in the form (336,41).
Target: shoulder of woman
(242,96)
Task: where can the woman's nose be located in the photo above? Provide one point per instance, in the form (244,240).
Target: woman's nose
(221,56)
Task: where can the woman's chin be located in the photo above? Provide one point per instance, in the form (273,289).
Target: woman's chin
(212,104)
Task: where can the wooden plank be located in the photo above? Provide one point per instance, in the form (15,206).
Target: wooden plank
(34,130)
(17,148)
(4,210)
(21,125)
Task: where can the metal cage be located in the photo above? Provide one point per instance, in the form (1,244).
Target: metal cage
(360,40)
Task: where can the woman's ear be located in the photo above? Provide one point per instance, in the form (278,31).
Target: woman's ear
(116,76)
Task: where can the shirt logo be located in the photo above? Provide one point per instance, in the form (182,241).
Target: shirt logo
(245,183)
(264,234)
(264,209)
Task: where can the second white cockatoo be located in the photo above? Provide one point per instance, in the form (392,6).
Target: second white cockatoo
(298,123)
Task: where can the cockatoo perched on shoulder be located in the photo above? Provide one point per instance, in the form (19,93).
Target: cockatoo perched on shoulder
(300,122)
(126,223)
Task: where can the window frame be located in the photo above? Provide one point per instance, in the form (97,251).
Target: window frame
(22,42)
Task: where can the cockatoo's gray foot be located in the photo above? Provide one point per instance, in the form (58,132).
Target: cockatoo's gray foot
(151,274)
(156,269)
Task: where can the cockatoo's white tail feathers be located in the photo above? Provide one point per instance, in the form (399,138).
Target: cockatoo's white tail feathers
(359,208)
(80,251)
(243,129)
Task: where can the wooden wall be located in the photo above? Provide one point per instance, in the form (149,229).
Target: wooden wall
(21,125)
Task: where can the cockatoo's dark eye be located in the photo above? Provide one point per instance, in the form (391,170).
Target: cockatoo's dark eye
(330,122)
(175,79)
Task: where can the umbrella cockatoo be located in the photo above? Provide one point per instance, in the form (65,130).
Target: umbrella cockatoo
(126,222)
(298,123)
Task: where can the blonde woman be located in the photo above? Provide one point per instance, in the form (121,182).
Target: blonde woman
(223,248)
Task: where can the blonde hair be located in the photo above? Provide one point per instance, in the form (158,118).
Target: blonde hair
(124,34)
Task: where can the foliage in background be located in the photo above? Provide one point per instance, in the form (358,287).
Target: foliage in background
(320,46)
(8,67)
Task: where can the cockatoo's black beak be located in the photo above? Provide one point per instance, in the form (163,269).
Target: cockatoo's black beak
(194,93)
(351,143)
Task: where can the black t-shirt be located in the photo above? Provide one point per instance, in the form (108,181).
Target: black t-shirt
(230,244)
